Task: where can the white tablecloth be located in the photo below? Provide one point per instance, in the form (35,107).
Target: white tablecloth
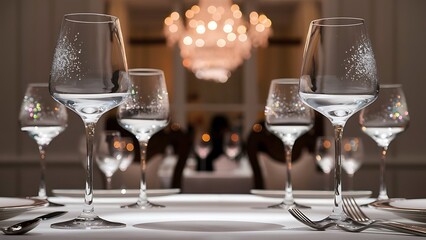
(190,216)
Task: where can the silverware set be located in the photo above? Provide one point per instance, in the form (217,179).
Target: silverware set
(358,221)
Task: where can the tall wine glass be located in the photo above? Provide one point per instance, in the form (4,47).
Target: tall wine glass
(108,154)
(352,157)
(338,79)
(382,121)
(43,119)
(143,114)
(89,76)
(324,151)
(288,118)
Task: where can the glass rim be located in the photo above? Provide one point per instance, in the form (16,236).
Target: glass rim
(340,22)
(145,71)
(285,80)
(108,18)
(390,85)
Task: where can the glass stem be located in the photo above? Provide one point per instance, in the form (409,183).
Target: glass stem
(327,181)
(288,197)
(42,187)
(383,192)
(108,183)
(88,209)
(143,199)
(350,182)
(337,212)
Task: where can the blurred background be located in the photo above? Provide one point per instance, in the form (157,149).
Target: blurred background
(30,30)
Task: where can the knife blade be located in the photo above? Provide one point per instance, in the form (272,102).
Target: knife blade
(52,215)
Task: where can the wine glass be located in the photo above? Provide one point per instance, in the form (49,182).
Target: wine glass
(143,114)
(383,120)
(127,157)
(338,79)
(232,145)
(288,118)
(89,76)
(109,154)
(43,119)
(202,148)
(324,151)
(353,155)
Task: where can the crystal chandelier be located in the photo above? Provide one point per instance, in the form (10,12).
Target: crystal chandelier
(216,38)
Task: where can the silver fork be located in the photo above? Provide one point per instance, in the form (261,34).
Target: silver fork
(301,217)
(352,209)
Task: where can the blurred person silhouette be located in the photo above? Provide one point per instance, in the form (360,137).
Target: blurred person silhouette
(218,127)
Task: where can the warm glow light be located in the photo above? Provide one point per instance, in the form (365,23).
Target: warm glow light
(117,144)
(347,147)
(168,21)
(257,128)
(130,147)
(195,8)
(189,13)
(187,40)
(234,7)
(260,28)
(186,63)
(211,9)
(205,137)
(254,15)
(227,28)
(200,29)
(193,23)
(212,25)
(262,18)
(235,137)
(242,37)
(231,37)
(173,28)
(268,23)
(174,16)
(241,29)
(221,43)
(199,42)
(229,21)
(237,14)
(215,38)
(326,144)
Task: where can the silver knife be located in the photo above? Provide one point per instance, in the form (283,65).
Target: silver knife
(52,215)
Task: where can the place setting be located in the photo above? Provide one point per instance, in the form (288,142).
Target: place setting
(193,127)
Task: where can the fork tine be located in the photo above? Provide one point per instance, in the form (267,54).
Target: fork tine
(345,208)
(350,210)
(300,215)
(358,209)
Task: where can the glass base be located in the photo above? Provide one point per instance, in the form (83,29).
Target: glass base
(87,223)
(284,205)
(143,205)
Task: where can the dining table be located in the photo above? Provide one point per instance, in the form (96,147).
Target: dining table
(200,216)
